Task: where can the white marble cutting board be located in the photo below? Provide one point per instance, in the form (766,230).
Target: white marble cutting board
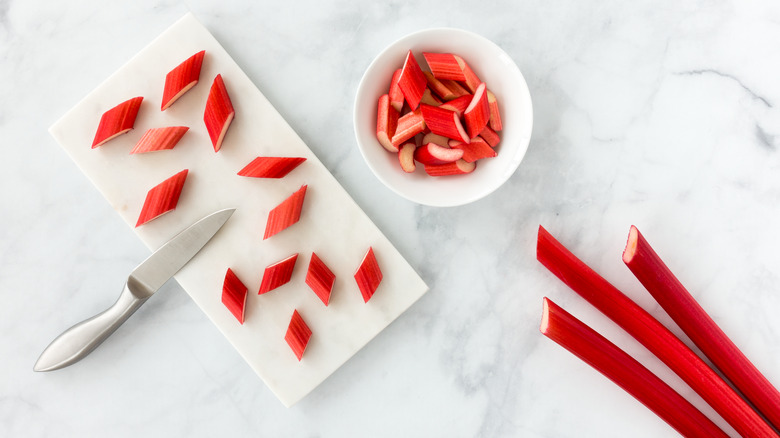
(331,224)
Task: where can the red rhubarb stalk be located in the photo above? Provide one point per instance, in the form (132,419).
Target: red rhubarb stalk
(386,123)
(277,274)
(234,295)
(286,213)
(159,139)
(625,371)
(117,121)
(459,167)
(219,112)
(181,79)
(162,198)
(298,334)
(320,278)
(270,167)
(667,290)
(652,334)
(368,275)
(412,81)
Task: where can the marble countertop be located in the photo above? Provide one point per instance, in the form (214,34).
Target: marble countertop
(661,114)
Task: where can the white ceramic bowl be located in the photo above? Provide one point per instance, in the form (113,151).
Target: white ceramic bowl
(496,69)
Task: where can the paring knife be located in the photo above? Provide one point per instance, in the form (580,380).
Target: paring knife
(78,341)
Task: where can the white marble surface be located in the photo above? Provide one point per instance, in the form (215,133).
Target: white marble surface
(658,113)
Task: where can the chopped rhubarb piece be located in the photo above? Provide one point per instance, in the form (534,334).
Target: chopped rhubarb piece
(277,274)
(459,167)
(158,139)
(477,114)
(435,138)
(368,275)
(181,79)
(438,87)
(219,112)
(444,122)
(652,334)
(162,198)
(459,104)
(444,66)
(431,153)
(495,116)
(298,335)
(490,136)
(234,295)
(386,123)
(395,94)
(409,125)
(476,150)
(412,81)
(406,157)
(457,89)
(472,81)
(667,290)
(429,99)
(285,214)
(117,121)
(270,167)
(320,278)
(625,371)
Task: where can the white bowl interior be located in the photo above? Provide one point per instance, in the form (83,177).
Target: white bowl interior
(501,75)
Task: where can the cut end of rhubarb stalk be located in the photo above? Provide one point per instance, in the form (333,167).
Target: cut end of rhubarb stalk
(545,316)
(406,157)
(117,121)
(219,112)
(159,139)
(234,295)
(368,275)
(270,167)
(162,198)
(277,274)
(631,244)
(298,335)
(285,214)
(386,123)
(181,79)
(320,278)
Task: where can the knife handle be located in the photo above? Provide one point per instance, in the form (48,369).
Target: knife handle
(79,340)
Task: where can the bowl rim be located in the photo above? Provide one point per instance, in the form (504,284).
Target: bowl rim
(448,202)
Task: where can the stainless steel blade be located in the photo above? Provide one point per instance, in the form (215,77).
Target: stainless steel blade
(79,340)
(153,272)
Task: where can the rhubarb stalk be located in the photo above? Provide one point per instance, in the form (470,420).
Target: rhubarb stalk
(667,290)
(625,371)
(652,334)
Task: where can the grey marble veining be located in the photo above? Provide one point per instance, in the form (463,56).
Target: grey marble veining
(662,114)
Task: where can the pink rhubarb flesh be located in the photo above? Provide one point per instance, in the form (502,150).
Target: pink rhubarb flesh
(368,275)
(652,334)
(277,274)
(181,79)
(286,213)
(320,278)
(159,139)
(234,295)
(626,372)
(298,335)
(162,198)
(386,123)
(270,167)
(667,290)
(406,157)
(219,112)
(117,121)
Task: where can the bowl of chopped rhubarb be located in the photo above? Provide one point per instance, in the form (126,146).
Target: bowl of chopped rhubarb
(443,117)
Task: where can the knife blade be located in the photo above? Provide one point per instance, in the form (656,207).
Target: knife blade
(78,341)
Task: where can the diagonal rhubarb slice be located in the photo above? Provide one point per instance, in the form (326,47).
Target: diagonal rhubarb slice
(490,136)
(368,275)
(286,213)
(495,116)
(444,66)
(395,94)
(270,167)
(277,274)
(162,198)
(625,371)
(159,139)
(386,123)
(219,112)
(117,121)
(298,334)
(477,114)
(412,81)
(320,278)
(234,295)
(444,122)
(181,79)
(409,125)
